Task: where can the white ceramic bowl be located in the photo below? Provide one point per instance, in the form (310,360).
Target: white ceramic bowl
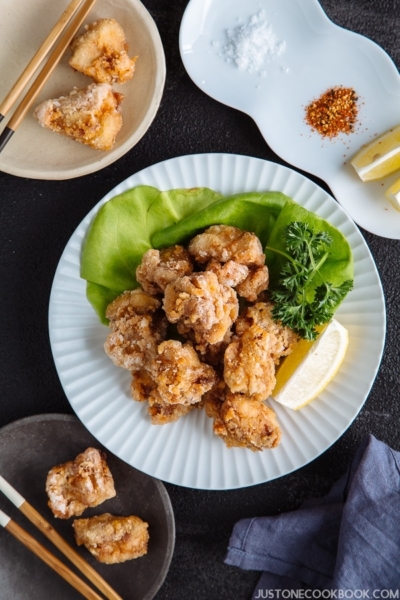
(41,154)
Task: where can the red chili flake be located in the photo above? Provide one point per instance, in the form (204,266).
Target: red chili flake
(334,112)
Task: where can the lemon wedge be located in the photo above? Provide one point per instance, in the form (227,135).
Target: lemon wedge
(303,375)
(393,194)
(379,158)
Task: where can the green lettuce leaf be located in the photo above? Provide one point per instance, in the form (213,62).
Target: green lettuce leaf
(255,211)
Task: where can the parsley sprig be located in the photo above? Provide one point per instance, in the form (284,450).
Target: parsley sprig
(306,252)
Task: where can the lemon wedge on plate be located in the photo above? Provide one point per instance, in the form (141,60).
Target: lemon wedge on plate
(303,374)
(380,157)
(393,194)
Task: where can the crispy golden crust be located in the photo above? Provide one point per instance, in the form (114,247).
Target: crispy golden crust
(246,423)
(230,273)
(90,116)
(138,326)
(79,484)
(224,243)
(112,539)
(143,385)
(248,366)
(214,398)
(179,376)
(101,52)
(159,268)
(200,303)
(131,303)
(259,344)
(255,283)
(162,413)
(144,389)
(282,339)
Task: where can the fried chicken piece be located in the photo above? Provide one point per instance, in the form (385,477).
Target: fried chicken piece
(248,366)
(255,283)
(90,116)
(200,303)
(246,423)
(138,326)
(179,376)
(79,484)
(101,52)
(161,267)
(248,282)
(283,339)
(112,539)
(132,303)
(251,358)
(230,273)
(144,388)
(224,243)
(162,413)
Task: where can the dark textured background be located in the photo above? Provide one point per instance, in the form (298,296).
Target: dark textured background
(38,218)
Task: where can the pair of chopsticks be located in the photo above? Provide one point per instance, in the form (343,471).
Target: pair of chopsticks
(79,8)
(42,552)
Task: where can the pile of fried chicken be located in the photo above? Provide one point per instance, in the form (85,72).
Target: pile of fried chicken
(226,356)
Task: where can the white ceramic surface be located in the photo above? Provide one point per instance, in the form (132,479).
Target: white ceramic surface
(318,55)
(42,154)
(187,452)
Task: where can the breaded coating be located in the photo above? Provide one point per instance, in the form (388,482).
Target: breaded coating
(179,376)
(162,413)
(214,398)
(246,423)
(251,358)
(230,273)
(283,339)
(79,484)
(144,388)
(132,303)
(212,354)
(138,326)
(161,267)
(259,344)
(101,52)
(255,283)
(248,282)
(142,385)
(200,303)
(248,366)
(90,116)
(224,243)
(112,539)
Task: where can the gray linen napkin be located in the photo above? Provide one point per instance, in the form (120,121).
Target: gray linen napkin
(348,540)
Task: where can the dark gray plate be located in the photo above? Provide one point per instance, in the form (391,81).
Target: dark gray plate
(28,449)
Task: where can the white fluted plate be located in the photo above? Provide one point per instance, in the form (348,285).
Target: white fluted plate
(187,452)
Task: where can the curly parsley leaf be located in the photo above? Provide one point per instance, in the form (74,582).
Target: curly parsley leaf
(312,270)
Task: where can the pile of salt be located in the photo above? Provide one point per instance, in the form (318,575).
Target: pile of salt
(250,44)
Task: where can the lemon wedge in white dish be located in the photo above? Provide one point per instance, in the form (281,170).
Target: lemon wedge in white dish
(379,158)
(393,194)
(303,375)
